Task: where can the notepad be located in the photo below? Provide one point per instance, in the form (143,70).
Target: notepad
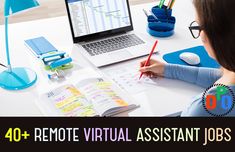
(40,46)
(127,78)
(86,98)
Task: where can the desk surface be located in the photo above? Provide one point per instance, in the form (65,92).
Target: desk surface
(169,96)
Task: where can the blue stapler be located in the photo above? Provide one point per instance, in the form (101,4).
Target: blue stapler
(54,61)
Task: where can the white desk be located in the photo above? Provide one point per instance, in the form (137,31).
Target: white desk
(169,96)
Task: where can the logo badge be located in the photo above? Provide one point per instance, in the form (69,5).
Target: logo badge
(218,100)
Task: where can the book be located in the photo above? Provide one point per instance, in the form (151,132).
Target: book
(87,98)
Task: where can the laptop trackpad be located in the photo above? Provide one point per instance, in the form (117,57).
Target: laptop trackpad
(120,55)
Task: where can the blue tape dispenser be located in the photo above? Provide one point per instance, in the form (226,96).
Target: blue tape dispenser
(161,23)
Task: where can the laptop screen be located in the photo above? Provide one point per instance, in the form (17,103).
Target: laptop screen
(96,16)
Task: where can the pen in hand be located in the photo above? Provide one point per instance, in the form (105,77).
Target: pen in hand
(149,57)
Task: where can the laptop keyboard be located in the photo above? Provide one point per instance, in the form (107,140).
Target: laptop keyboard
(112,44)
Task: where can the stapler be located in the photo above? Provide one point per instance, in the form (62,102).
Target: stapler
(54,61)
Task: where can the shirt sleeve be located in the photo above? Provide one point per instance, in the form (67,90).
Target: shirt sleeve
(203,77)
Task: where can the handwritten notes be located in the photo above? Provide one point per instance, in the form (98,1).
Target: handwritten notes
(68,101)
(94,97)
(128,79)
(106,87)
(102,96)
(91,95)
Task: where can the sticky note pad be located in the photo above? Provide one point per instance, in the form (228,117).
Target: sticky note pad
(40,46)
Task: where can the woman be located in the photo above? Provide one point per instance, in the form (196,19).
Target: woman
(216,27)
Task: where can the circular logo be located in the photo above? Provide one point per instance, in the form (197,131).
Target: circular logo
(218,100)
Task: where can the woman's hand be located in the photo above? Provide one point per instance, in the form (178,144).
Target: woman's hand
(155,68)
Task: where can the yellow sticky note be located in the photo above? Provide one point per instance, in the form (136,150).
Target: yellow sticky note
(104,84)
(121,102)
(74,91)
(71,107)
(88,112)
(66,101)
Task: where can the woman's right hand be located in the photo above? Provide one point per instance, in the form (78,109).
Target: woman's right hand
(155,68)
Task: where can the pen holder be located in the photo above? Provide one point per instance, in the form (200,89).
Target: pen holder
(164,25)
(162,13)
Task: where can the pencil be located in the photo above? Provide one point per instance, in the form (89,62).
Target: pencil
(169,4)
(145,12)
(149,57)
(172,4)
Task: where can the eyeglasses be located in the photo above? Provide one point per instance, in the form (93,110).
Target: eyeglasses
(195,29)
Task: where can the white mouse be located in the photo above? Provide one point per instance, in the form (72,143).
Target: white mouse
(190,58)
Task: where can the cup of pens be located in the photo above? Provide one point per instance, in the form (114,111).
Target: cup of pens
(161,23)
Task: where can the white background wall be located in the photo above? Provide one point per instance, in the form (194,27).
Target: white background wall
(47,9)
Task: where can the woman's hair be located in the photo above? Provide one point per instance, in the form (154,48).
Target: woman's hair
(217,20)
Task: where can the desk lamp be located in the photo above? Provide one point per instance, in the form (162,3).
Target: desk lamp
(16,78)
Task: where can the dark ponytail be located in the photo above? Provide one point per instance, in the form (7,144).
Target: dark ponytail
(218,22)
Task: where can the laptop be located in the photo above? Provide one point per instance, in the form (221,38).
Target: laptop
(103,31)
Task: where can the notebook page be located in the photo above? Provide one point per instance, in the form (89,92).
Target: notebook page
(127,78)
(68,101)
(101,94)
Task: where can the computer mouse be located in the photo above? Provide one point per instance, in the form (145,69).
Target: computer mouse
(190,58)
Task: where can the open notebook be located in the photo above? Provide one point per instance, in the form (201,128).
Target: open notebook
(88,97)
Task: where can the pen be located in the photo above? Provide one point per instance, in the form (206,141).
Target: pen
(153,15)
(145,12)
(161,3)
(149,57)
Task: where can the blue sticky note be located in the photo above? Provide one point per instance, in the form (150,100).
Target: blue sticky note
(40,45)
(206,60)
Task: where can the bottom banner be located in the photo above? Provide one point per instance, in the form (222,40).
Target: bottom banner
(116,133)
